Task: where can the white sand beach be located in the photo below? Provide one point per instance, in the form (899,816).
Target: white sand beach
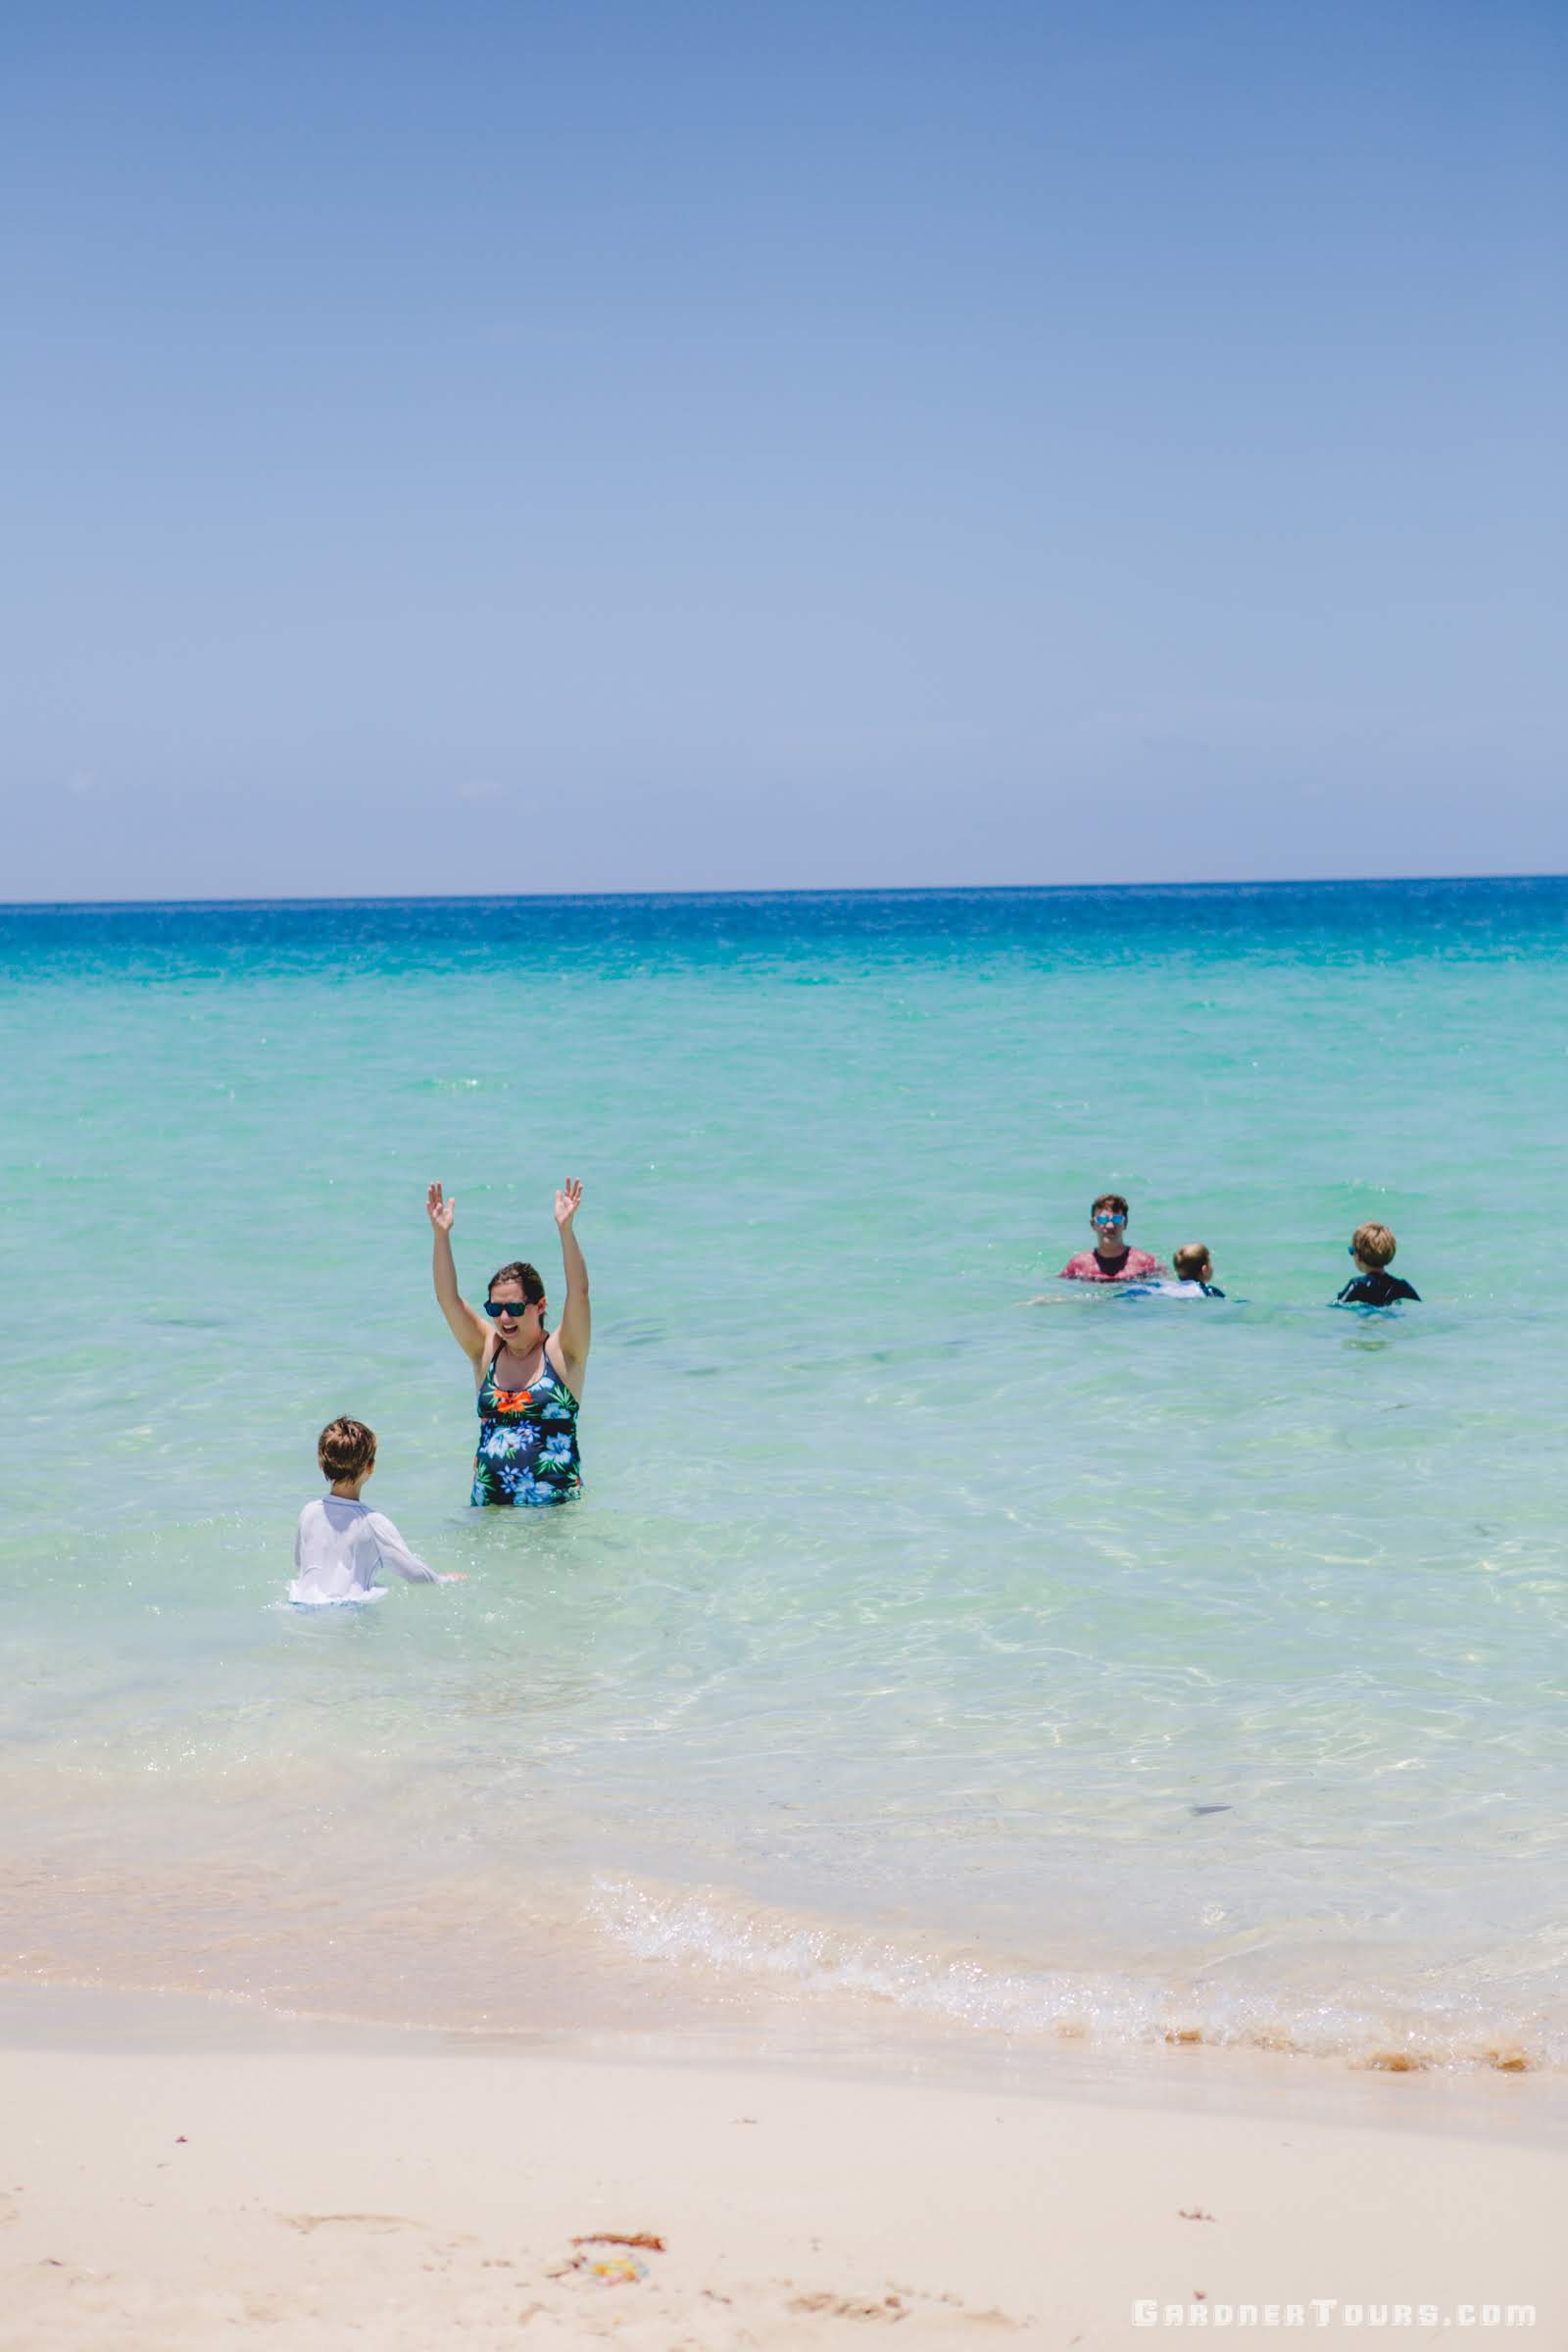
(394,2198)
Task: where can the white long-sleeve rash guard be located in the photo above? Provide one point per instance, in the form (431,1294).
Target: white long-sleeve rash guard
(339,1547)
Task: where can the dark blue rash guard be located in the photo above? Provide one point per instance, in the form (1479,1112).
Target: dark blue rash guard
(1381,1288)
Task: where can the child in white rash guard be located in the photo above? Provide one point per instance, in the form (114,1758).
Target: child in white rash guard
(341,1545)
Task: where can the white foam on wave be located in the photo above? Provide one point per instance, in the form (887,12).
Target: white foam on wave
(718,1934)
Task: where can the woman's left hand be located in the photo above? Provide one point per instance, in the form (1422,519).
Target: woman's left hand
(567,1203)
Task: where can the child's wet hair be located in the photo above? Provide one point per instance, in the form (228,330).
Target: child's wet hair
(1189,1260)
(345,1449)
(1375,1245)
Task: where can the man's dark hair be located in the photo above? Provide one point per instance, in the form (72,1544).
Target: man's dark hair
(1110,1200)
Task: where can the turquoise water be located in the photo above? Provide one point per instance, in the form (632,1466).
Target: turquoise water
(907,1632)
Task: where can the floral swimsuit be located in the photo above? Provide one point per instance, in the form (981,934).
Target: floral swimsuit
(527,1441)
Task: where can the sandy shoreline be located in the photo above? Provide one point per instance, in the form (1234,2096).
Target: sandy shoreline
(318,2192)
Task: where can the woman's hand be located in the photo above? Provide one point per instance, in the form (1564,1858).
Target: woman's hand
(467,1329)
(575,1326)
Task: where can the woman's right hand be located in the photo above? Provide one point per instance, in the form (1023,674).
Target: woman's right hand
(470,1330)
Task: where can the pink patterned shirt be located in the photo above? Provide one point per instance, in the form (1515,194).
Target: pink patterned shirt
(1136,1266)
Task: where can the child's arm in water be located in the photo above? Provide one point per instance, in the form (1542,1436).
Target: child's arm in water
(393,1553)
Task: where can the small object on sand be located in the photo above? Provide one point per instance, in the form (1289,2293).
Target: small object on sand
(616,2269)
(1197,2214)
(180,2142)
(611,2270)
(606,2270)
(1212,1808)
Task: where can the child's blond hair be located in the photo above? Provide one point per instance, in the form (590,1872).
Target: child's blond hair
(1375,1245)
(1190,1260)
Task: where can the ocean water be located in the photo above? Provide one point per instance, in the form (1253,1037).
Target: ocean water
(936,1648)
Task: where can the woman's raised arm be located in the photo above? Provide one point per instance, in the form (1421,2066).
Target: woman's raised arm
(467,1328)
(575,1328)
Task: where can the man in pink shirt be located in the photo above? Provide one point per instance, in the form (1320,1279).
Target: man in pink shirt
(1111,1259)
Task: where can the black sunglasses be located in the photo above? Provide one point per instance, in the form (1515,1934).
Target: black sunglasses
(510,1306)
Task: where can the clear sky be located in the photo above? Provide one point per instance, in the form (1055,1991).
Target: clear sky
(624,444)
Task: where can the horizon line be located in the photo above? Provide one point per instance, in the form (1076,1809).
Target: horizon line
(861,890)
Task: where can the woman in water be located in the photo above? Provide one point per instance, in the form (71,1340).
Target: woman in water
(528,1378)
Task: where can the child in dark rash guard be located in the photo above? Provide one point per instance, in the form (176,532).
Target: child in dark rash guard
(1372,1285)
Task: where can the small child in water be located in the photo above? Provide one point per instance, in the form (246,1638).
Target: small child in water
(341,1543)
(1371,1284)
(1194,1270)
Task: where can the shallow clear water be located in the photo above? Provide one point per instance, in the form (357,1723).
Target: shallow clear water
(907,1633)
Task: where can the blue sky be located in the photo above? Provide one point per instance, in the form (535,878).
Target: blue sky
(665,446)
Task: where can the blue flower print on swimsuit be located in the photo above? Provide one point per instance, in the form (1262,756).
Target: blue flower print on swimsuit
(522,1487)
(528,1450)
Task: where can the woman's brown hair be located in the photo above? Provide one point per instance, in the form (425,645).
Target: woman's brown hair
(520,1271)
